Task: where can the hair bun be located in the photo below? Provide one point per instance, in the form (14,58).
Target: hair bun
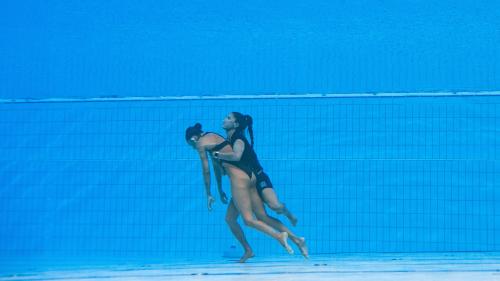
(197,126)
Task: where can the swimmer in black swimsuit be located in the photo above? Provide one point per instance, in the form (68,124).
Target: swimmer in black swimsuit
(244,157)
(240,186)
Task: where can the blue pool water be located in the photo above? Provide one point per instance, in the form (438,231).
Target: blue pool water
(360,119)
(371,175)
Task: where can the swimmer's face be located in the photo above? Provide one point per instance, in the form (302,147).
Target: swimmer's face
(229,122)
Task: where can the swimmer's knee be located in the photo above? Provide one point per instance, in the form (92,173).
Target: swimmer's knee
(277,207)
(250,221)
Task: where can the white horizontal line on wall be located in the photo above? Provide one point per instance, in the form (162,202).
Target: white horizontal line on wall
(255,96)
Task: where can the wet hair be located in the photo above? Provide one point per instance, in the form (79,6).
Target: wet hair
(193,131)
(246,122)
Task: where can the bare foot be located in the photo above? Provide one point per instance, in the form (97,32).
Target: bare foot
(248,254)
(283,241)
(301,243)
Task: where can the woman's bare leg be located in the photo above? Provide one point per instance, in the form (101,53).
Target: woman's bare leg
(261,214)
(273,202)
(232,220)
(240,188)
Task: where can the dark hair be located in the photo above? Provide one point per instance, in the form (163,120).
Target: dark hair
(193,131)
(245,122)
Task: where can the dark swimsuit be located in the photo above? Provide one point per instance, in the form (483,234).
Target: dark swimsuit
(217,147)
(249,163)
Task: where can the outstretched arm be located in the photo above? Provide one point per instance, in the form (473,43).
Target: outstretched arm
(206,176)
(218,177)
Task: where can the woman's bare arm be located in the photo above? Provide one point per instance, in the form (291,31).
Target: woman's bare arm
(218,171)
(206,175)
